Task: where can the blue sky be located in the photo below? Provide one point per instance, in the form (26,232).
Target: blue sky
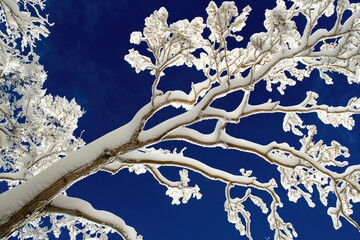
(84,60)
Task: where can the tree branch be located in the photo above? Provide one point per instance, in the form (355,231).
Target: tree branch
(80,208)
(159,159)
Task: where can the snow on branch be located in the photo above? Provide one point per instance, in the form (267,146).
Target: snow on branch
(232,206)
(36,129)
(306,166)
(79,208)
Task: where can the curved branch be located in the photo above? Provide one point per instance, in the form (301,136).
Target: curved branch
(160,178)
(81,208)
(221,139)
(159,159)
(264,151)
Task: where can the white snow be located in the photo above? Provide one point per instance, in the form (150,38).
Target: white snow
(86,208)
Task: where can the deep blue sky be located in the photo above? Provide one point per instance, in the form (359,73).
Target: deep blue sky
(84,60)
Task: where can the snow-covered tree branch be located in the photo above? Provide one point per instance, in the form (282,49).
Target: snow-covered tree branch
(73,207)
(41,157)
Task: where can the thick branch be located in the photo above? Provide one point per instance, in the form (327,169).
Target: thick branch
(36,193)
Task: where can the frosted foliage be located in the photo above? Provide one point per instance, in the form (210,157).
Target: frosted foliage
(39,230)
(138,61)
(183,192)
(28,24)
(22,24)
(33,122)
(32,230)
(344,118)
(293,122)
(301,180)
(78,226)
(337,119)
(171,45)
(285,75)
(282,229)
(236,211)
(36,128)
(278,22)
(138,169)
(225,19)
